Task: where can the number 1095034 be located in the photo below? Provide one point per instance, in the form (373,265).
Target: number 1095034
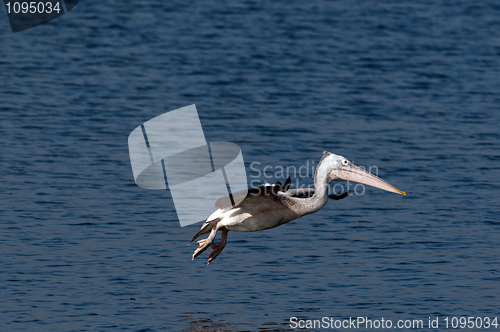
(34,7)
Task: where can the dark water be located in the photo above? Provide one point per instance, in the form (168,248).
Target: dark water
(412,88)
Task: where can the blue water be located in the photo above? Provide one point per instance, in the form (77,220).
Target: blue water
(411,88)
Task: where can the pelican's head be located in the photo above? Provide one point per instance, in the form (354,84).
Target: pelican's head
(341,168)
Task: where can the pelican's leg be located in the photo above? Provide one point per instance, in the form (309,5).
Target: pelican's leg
(217,248)
(204,244)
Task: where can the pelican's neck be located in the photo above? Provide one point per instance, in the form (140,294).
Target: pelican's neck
(321,182)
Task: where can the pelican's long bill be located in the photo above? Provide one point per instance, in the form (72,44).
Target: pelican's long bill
(354,173)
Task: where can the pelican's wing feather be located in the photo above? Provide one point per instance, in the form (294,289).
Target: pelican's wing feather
(264,190)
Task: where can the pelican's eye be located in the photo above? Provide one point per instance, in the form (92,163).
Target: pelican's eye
(345,162)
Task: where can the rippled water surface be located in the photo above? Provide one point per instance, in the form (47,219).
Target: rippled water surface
(410,87)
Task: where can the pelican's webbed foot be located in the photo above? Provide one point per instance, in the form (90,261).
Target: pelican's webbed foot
(218,247)
(204,244)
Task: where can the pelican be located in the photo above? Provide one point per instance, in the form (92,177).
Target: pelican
(272,205)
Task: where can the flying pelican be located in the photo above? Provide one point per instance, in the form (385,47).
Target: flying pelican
(271,205)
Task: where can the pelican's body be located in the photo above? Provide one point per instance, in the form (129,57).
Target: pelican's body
(271,205)
(262,213)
